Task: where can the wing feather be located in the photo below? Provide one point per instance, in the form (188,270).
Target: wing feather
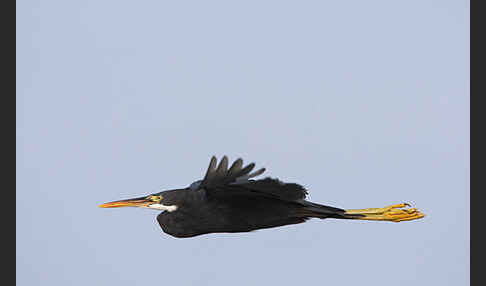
(237,180)
(223,167)
(220,175)
(236,167)
(210,173)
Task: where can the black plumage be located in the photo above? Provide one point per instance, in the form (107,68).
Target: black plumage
(230,200)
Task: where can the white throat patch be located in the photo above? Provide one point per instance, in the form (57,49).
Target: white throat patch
(162,207)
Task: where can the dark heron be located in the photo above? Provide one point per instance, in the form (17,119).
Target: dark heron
(229,200)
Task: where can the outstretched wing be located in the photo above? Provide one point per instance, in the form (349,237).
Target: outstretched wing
(220,175)
(237,179)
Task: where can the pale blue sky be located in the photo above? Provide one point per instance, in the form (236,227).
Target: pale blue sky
(366,103)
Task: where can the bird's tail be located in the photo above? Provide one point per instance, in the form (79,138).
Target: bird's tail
(395,213)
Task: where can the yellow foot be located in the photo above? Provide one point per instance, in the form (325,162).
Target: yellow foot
(395,213)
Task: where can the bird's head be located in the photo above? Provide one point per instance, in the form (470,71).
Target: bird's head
(154,201)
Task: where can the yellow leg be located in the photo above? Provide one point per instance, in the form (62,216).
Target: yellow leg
(395,213)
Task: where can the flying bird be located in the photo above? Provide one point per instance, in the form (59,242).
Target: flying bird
(229,200)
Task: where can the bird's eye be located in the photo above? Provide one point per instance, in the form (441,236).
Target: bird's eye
(155,198)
